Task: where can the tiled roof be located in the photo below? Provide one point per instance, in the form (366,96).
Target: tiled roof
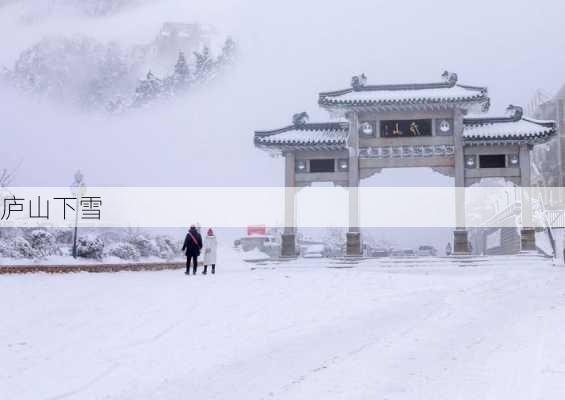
(448,92)
(514,128)
(333,134)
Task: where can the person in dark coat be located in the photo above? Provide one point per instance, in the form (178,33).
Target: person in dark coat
(192,246)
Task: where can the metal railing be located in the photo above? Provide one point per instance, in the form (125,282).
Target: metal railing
(555,218)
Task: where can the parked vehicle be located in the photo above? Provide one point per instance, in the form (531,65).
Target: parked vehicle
(314,251)
(264,243)
(427,251)
(403,253)
(379,252)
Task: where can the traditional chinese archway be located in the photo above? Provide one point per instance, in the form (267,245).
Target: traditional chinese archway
(400,126)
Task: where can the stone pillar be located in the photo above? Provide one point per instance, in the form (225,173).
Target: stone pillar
(288,240)
(461,242)
(528,233)
(354,247)
(528,239)
(460,236)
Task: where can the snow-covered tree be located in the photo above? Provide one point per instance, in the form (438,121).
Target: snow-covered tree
(110,80)
(227,56)
(179,81)
(58,68)
(148,90)
(182,72)
(204,66)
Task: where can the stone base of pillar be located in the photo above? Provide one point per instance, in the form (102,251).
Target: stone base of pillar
(353,245)
(288,245)
(528,236)
(461,243)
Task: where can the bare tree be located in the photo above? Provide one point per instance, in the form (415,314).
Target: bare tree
(7,175)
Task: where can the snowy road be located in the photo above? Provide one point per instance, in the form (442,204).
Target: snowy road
(437,332)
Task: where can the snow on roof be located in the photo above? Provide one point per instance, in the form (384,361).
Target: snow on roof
(453,94)
(329,133)
(509,128)
(402,94)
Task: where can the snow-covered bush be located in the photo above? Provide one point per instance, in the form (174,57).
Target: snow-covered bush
(167,247)
(124,250)
(15,243)
(6,248)
(112,236)
(145,246)
(21,248)
(92,244)
(90,247)
(43,243)
(64,236)
(11,233)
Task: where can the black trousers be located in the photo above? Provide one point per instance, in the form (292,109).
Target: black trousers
(194,259)
(213,269)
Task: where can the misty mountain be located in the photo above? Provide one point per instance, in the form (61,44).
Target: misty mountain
(84,72)
(76,70)
(91,7)
(34,10)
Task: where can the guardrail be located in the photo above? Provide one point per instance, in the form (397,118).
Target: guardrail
(555,218)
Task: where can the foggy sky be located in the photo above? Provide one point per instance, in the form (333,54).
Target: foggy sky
(289,51)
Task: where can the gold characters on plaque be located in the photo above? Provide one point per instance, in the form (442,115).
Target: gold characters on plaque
(406,128)
(414,130)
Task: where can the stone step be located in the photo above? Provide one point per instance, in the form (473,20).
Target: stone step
(413,262)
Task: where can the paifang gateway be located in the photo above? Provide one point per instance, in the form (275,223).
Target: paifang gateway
(434,125)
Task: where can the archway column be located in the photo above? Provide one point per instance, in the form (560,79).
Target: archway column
(288,239)
(460,235)
(354,247)
(528,233)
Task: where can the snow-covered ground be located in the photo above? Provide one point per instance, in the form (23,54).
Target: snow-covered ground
(298,330)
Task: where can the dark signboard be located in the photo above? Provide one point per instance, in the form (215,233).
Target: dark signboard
(406,128)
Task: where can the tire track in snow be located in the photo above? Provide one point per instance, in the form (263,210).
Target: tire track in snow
(84,386)
(348,354)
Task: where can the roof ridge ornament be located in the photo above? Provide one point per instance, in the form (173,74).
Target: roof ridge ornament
(450,77)
(517,112)
(300,119)
(358,81)
(486,106)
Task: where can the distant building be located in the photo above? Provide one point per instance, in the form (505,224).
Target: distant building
(549,160)
(174,37)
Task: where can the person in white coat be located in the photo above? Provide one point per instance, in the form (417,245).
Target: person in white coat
(210,251)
